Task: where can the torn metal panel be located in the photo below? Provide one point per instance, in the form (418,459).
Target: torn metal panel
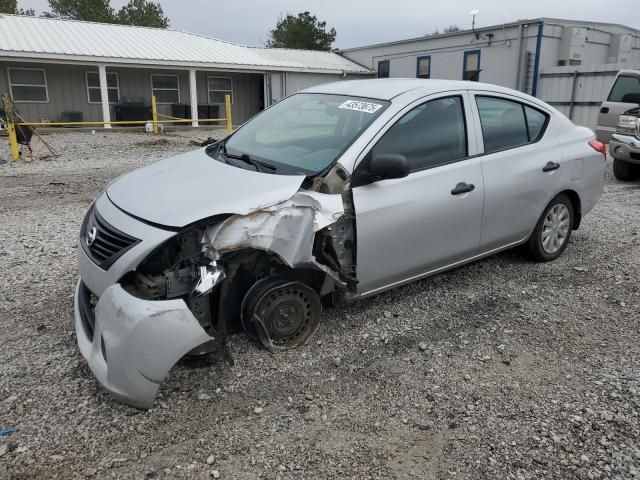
(286,229)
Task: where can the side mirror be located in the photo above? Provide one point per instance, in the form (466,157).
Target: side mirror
(386,166)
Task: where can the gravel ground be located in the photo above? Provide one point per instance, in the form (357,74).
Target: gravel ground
(500,369)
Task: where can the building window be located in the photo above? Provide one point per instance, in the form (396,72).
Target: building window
(383,69)
(218,88)
(165,88)
(93,87)
(423,67)
(471,66)
(28,85)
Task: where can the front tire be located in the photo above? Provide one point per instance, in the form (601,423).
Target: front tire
(625,171)
(553,230)
(280,313)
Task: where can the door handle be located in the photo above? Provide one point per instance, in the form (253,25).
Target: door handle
(463,188)
(604,110)
(550,166)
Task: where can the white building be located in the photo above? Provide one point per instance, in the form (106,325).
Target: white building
(539,57)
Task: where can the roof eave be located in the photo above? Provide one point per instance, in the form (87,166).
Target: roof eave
(443,35)
(136,62)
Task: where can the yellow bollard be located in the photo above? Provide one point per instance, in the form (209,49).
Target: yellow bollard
(13,141)
(227,110)
(154,111)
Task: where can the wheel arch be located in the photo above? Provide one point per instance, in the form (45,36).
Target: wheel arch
(246,266)
(576,203)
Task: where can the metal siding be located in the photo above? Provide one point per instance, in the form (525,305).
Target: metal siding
(136,82)
(277,86)
(300,81)
(246,93)
(499,61)
(67,88)
(557,83)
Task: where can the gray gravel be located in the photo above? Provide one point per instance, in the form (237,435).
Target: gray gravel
(500,369)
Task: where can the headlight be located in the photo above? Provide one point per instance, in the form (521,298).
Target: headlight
(627,124)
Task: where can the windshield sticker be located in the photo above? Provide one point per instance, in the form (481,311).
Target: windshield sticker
(359,106)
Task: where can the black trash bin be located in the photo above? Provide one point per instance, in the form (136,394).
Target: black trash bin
(208,111)
(203,112)
(180,110)
(133,109)
(214,112)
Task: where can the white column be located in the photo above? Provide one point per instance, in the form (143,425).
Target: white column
(193,90)
(104,95)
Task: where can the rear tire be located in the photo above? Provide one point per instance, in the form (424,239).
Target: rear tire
(625,171)
(553,230)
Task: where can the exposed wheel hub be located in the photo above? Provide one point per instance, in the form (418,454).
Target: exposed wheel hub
(281,313)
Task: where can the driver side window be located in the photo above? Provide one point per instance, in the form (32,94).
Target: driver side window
(429,135)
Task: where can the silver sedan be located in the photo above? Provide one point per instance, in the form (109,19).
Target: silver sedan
(336,193)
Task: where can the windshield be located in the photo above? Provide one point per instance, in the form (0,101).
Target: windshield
(302,134)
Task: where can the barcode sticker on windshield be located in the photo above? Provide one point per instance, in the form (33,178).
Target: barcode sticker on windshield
(359,106)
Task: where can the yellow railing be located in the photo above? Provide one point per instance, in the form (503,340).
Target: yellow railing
(13,139)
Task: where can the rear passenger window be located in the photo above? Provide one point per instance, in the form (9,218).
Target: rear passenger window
(431,134)
(626,89)
(535,122)
(507,124)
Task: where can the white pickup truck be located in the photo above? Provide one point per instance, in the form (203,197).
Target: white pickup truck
(619,125)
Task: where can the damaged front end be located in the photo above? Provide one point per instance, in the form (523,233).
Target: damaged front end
(266,272)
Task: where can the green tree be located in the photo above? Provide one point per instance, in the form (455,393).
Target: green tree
(303,31)
(8,6)
(90,10)
(11,6)
(143,13)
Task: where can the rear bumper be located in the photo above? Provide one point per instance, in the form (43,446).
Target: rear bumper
(131,344)
(625,147)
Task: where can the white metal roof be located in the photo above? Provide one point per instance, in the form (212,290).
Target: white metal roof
(53,39)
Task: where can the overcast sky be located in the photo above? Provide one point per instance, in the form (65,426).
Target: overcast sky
(361,22)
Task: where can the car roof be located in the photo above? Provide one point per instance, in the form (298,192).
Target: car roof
(389,88)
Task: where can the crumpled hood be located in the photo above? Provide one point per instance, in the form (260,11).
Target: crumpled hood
(186,188)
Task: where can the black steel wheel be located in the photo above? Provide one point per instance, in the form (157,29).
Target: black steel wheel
(281,313)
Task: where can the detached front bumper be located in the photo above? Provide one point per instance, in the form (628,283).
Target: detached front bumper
(131,344)
(625,147)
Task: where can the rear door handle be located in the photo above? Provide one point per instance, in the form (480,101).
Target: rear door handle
(604,110)
(463,188)
(550,166)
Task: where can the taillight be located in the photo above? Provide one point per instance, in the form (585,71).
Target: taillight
(599,147)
